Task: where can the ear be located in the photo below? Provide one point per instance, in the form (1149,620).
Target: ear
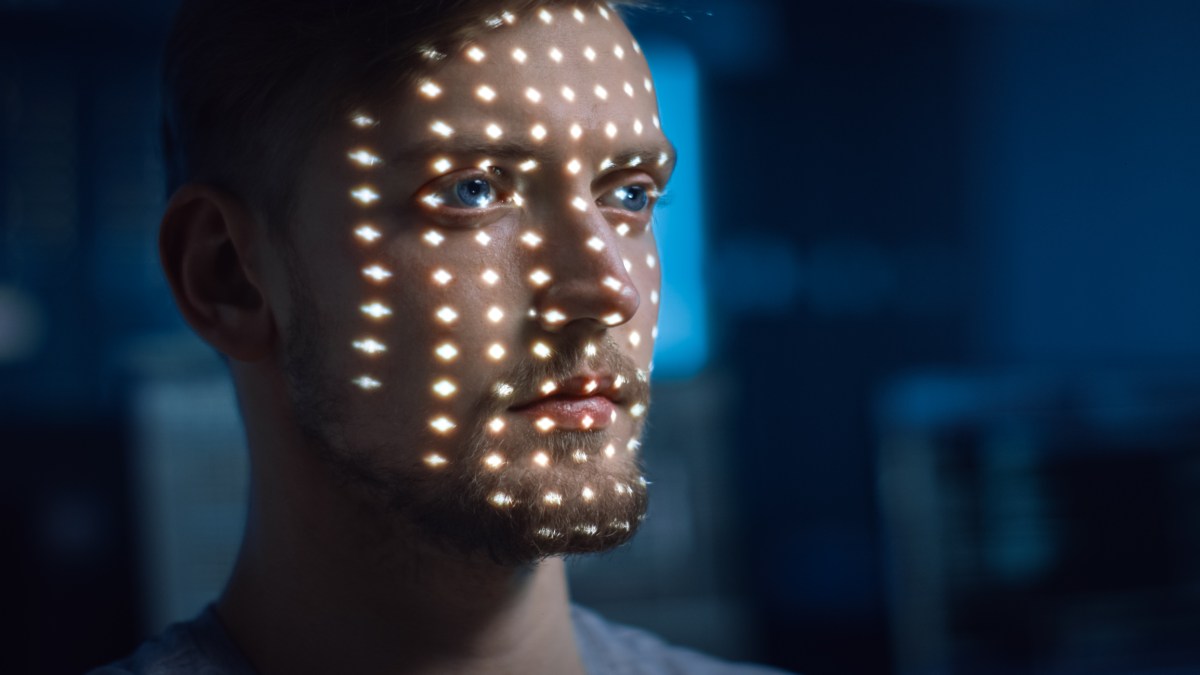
(206,242)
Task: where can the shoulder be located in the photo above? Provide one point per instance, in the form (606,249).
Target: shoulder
(196,647)
(613,649)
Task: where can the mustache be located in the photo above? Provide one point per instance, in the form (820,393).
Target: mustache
(569,360)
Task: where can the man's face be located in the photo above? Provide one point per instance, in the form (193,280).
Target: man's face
(476,289)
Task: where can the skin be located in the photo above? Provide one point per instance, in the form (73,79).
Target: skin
(351,561)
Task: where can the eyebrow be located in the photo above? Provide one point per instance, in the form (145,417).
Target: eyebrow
(478,146)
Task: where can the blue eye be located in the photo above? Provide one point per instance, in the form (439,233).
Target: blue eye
(632,197)
(475,193)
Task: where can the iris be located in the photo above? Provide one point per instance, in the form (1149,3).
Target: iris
(474,192)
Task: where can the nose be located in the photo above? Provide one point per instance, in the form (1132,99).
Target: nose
(590,287)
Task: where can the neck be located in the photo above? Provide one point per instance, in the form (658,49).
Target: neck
(325,583)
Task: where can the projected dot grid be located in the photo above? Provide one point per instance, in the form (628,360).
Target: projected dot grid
(536,254)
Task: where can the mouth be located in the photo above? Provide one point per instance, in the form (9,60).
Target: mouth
(586,402)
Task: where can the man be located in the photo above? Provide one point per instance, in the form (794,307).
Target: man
(420,232)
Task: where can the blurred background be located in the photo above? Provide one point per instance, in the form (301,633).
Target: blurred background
(928,389)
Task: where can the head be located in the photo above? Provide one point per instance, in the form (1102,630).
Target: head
(437,222)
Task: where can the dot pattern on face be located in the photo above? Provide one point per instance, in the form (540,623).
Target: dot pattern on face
(445,388)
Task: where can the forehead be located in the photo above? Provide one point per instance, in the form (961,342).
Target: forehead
(547,78)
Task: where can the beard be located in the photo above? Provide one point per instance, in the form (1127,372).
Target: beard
(587,495)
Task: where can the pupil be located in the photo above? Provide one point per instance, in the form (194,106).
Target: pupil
(475,192)
(635,198)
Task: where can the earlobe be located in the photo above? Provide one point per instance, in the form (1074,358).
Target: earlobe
(205,244)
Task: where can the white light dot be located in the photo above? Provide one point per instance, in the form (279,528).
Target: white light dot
(623,229)
(648,84)
(376,310)
(538,132)
(613,283)
(363,121)
(579,456)
(508,17)
(435,460)
(541,351)
(590,349)
(601,92)
(619,382)
(610,451)
(604,13)
(430,89)
(501,499)
(432,200)
(518,199)
(654,333)
(544,424)
(588,494)
(553,498)
(475,54)
(576,131)
(496,352)
(637,47)
(611,130)
(574,166)
(539,277)
(587,422)
(628,265)
(654,297)
(442,277)
(486,93)
(444,388)
(367,383)
(483,238)
(619,51)
(614,319)
(556,55)
(635,338)
(589,53)
(533,95)
(663,158)
(367,233)
(496,425)
(447,315)
(657,123)
(519,55)
(442,165)
(651,261)
(568,93)
(433,238)
(365,158)
(528,165)
(494,131)
(369,346)
(495,314)
(549,387)
(442,129)
(446,351)
(633,445)
(545,16)
(580,203)
(637,410)
(554,316)
(377,273)
(490,277)
(628,89)
(578,14)
(365,195)
(635,161)
(442,424)
(596,244)
(606,164)
(531,239)
(638,127)
(504,390)
(493,461)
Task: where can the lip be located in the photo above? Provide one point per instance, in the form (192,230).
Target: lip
(583,402)
(572,413)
